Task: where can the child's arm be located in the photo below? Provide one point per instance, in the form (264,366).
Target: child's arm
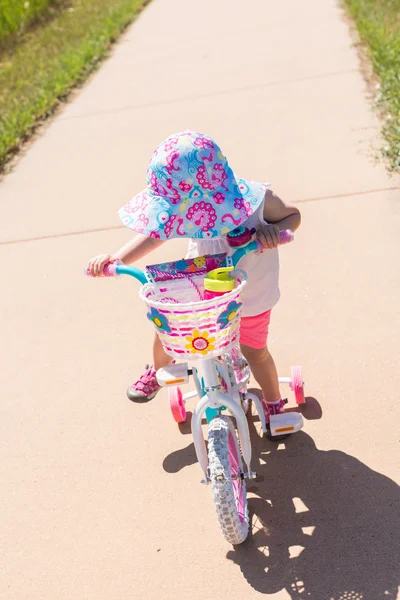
(132,251)
(137,248)
(280,216)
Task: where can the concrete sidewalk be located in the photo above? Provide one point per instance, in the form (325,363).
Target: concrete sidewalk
(101,497)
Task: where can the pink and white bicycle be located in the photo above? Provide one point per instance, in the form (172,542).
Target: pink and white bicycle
(205,333)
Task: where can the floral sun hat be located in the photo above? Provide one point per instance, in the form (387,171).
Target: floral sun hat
(191,192)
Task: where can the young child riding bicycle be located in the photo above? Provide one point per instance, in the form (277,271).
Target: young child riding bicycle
(192,192)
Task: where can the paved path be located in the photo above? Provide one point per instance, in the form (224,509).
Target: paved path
(100,498)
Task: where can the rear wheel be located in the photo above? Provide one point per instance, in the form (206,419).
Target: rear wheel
(227,482)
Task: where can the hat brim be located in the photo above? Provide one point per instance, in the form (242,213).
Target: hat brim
(199,217)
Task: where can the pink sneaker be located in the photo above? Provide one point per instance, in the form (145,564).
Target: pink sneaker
(145,388)
(273,408)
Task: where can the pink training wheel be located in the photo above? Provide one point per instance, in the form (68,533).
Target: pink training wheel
(297,385)
(177,404)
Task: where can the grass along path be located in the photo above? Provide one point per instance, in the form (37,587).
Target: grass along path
(15,15)
(50,59)
(378,23)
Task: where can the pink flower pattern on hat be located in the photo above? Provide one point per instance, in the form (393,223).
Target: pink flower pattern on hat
(191,192)
(203,215)
(218,197)
(243,206)
(185,187)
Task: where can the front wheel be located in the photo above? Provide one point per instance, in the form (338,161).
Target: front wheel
(227,482)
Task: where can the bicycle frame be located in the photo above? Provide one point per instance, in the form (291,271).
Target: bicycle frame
(215,398)
(210,393)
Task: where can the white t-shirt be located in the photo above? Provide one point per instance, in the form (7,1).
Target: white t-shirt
(262,290)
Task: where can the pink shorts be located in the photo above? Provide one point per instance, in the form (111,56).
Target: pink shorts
(254,330)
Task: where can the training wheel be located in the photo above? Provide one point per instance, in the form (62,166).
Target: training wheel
(297,385)
(177,404)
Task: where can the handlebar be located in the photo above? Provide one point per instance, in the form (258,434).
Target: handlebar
(285,237)
(118,268)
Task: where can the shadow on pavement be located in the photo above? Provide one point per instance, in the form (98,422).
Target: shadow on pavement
(311,410)
(324,525)
(179,459)
(186,427)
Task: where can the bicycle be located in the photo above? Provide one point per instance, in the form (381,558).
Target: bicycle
(207,332)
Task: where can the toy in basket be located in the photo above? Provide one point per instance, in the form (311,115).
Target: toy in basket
(195,306)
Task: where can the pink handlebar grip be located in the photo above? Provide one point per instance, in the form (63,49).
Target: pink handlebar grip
(109,270)
(286,236)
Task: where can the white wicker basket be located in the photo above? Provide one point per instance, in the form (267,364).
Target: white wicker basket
(191,328)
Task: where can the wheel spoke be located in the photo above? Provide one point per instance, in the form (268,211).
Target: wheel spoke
(237,483)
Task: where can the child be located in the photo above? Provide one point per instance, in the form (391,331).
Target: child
(192,192)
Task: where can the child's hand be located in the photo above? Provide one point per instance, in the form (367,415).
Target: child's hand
(268,235)
(97,263)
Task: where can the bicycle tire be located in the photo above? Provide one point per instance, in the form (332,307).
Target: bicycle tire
(229,492)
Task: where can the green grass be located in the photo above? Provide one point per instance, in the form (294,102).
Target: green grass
(39,68)
(15,15)
(378,23)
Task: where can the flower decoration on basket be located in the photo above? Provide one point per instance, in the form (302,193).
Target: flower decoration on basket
(200,261)
(228,315)
(159,320)
(200,343)
(181,265)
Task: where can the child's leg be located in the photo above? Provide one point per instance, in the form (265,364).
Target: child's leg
(253,339)
(264,371)
(160,358)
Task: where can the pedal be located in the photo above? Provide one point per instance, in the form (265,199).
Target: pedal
(176,374)
(285,423)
